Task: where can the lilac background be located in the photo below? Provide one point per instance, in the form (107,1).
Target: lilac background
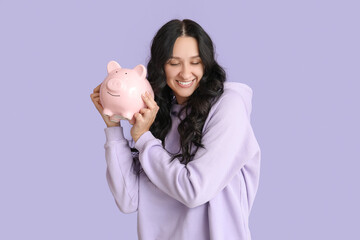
(301,59)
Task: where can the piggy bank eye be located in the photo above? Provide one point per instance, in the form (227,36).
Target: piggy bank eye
(116,71)
(125,73)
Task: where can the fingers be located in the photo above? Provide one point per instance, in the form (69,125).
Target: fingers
(145,117)
(97,89)
(138,118)
(149,101)
(152,109)
(95,97)
(145,111)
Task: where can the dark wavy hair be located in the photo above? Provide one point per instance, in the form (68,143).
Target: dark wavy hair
(198,105)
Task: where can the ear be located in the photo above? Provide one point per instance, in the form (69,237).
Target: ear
(112,65)
(141,70)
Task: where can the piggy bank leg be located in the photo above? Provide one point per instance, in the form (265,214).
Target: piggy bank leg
(107,112)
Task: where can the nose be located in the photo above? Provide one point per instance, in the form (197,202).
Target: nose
(114,85)
(185,72)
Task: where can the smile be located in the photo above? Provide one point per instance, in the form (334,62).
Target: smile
(113,95)
(186,84)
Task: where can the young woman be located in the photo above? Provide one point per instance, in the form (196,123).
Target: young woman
(191,169)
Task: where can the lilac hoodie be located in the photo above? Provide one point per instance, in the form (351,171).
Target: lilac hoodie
(210,197)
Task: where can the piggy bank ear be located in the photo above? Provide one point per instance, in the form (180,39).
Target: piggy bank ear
(141,70)
(112,65)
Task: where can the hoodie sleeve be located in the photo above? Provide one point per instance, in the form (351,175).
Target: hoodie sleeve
(229,144)
(122,180)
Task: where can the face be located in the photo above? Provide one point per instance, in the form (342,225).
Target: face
(184,69)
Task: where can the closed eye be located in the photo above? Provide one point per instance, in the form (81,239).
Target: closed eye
(175,64)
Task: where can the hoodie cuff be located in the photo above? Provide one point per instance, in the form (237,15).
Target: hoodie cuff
(143,139)
(114,133)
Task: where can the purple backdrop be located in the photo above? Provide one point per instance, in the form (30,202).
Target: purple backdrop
(301,59)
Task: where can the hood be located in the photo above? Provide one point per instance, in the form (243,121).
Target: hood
(244,90)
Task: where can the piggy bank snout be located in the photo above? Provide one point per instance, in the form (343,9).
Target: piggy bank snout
(114,84)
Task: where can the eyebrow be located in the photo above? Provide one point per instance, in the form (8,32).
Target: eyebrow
(180,58)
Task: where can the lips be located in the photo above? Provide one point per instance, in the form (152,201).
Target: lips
(185,84)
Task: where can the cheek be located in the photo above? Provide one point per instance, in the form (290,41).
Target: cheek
(199,72)
(171,73)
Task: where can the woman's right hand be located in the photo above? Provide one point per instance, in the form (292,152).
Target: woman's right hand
(95,97)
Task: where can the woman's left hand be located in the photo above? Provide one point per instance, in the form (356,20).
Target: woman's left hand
(145,117)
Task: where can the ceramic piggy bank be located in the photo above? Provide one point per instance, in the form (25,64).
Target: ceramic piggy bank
(120,92)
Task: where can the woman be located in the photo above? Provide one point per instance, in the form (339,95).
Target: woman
(192,169)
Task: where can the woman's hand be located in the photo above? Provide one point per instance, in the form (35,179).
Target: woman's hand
(145,117)
(95,97)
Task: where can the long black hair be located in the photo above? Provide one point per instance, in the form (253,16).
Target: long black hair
(198,105)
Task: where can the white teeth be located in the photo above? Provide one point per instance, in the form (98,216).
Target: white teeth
(183,83)
(186,83)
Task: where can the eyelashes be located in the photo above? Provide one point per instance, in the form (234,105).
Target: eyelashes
(175,64)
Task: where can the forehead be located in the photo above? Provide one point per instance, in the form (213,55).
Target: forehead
(185,47)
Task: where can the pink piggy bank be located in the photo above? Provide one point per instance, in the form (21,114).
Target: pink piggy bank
(120,92)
